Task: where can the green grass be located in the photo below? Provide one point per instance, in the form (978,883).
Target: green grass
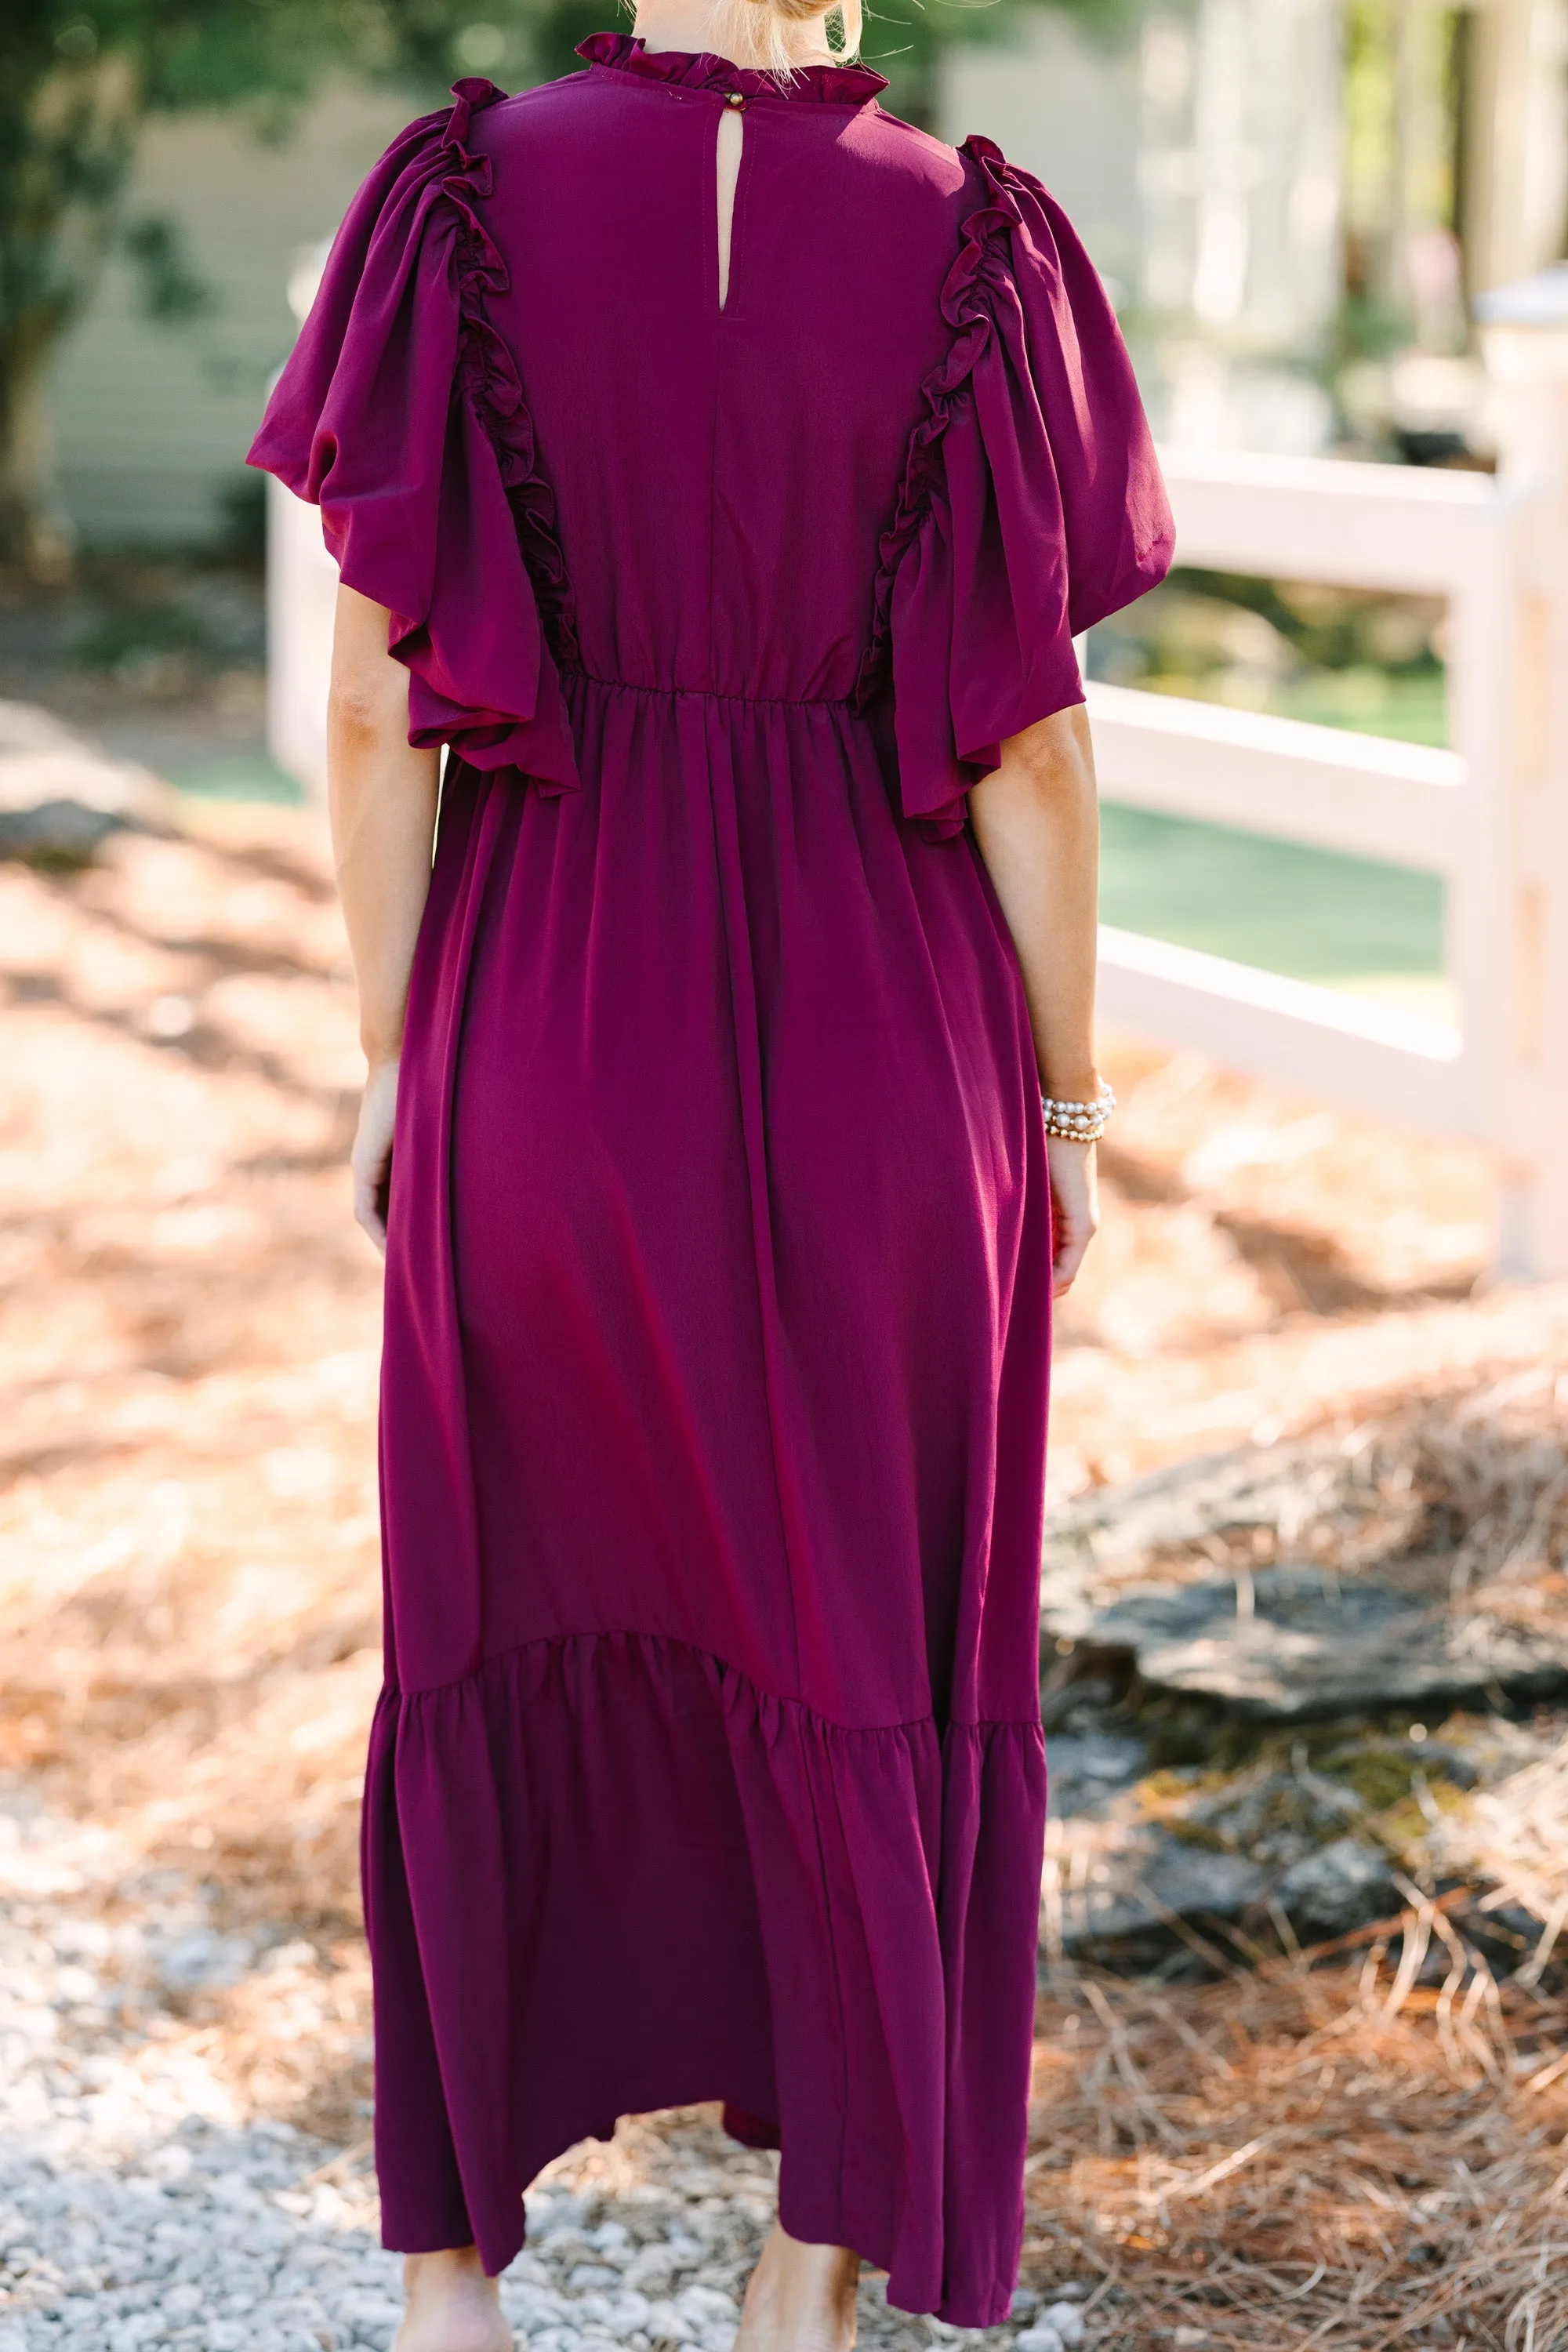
(237,776)
(1410,705)
(1348,923)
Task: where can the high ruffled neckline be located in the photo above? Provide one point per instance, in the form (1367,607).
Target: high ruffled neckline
(829,85)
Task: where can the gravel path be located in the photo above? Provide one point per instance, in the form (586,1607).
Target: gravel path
(139,2206)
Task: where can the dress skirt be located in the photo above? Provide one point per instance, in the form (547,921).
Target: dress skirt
(710,1764)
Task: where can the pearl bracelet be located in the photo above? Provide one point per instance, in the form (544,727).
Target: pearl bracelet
(1077,1122)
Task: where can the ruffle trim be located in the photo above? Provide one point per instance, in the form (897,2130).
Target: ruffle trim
(487,372)
(606,1872)
(980,263)
(835,85)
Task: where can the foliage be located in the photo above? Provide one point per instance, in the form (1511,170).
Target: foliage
(171,291)
(76,82)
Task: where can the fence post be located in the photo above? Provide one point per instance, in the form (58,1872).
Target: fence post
(1524,338)
(302,597)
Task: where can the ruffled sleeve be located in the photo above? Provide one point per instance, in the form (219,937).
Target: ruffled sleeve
(1031,505)
(401,415)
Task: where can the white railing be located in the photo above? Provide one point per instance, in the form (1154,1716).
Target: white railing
(1359,527)
(1490,816)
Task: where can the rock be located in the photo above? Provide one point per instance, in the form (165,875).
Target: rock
(702,2306)
(201,1957)
(1275,1818)
(1067,2319)
(1382,1770)
(1340,1889)
(60,795)
(1087,1768)
(1146,1878)
(1041,2338)
(61,832)
(1296,1643)
(1118,1528)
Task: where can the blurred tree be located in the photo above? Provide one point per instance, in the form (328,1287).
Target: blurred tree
(79,78)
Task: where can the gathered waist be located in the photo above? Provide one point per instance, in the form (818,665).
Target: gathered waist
(572,674)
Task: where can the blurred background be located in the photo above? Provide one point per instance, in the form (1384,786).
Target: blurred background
(1303,2035)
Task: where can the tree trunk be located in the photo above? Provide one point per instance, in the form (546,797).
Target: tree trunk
(36,535)
(68,133)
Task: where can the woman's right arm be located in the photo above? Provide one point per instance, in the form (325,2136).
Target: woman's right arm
(381,800)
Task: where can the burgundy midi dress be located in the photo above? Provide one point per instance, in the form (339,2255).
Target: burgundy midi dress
(709,1765)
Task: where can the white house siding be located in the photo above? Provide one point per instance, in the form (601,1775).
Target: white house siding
(151,419)
(1066,107)
(1197,151)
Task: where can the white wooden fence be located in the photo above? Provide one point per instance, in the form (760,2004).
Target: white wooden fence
(1489,815)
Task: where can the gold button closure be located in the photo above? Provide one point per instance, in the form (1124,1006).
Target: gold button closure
(736,99)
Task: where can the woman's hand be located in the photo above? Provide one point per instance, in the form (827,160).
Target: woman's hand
(370,1157)
(1074,1208)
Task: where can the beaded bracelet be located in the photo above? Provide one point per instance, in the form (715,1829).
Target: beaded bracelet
(1077,1122)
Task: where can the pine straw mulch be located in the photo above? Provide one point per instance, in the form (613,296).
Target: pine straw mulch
(1461,1483)
(1475,1472)
(1346,2151)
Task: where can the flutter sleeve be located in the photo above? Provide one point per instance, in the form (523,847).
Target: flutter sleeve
(1031,505)
(400,413)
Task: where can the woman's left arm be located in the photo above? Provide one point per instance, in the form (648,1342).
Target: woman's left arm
(382,796)
(1037,823)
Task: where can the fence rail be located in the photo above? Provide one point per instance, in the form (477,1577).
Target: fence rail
(1404,529)
(1362,794)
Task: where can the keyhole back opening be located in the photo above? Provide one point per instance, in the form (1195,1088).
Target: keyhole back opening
(726,177)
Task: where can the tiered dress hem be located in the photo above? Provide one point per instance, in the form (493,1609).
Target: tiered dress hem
(626,1807)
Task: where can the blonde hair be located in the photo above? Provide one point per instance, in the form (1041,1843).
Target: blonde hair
(765,34)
